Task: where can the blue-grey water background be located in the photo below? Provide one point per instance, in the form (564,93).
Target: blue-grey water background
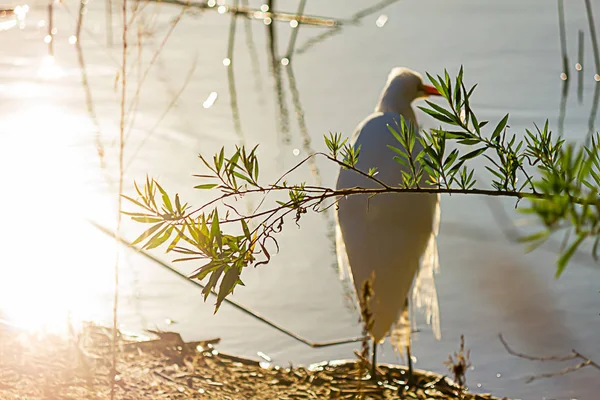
(56,116)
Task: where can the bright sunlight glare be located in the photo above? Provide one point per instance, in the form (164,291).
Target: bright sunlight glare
(54,265)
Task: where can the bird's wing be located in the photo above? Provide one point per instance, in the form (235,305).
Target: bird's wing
(424,291)
(344,271)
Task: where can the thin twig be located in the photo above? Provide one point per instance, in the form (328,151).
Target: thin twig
(119,200)
(575,355)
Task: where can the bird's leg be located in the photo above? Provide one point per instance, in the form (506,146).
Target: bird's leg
(410,380)
(374,361)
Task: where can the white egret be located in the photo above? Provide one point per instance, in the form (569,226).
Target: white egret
(389,234)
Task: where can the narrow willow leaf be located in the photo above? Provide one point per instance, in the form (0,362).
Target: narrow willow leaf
(159,239)
(165,198)
(595,248)
(401,161)
(245,228)
(147,220)
(188,259)
(137,203)
(397,150)
(438,86)
(243,177)
(441,110)
(206,186)
(395,133)
(227,285)
(137,189)
(499,128)
(220,159)
(177,203)
(214,278)
(204,270)
(456,135)
(147,233)
(437,116)
(566,256)
(473,153)
(469,142)
(138,214)
(174,242)
(215,230)
(534,237)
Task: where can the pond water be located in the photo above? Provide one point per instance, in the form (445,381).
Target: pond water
(57,115)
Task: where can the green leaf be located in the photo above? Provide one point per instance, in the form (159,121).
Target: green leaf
(227,285)
(397,150)
(206,186)
(214,277)
(174,242)
(474,153)
(147,220)
(566,256)
(469,142)
(500,127)
(137,203)
(437,116)
(246,230)
(165,198)
(177,203)
(441,110)
(138,214)
(215,230)
(147,233)
(158,239)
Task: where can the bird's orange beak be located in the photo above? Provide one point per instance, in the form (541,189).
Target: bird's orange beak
(431,91)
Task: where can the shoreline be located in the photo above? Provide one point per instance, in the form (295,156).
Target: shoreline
(44,366)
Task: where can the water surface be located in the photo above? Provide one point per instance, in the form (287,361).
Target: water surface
(56,118)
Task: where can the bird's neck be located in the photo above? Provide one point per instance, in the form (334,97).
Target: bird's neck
(389,103)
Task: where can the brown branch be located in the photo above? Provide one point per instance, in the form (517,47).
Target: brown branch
(575,355)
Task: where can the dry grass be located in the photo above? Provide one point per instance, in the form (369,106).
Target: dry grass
(49,367)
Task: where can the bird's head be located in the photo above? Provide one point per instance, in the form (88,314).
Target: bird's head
(403,86)
(408,85)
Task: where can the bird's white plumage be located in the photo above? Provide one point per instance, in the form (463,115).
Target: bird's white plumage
(393,235)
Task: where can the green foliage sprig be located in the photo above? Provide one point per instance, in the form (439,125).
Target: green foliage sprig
(559,180)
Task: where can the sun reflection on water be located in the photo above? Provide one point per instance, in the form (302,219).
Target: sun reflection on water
(53,264)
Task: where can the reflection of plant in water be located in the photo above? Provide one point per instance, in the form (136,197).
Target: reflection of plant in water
(564,196)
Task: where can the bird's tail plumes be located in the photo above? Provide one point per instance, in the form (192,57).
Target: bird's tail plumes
(400,333)
(424,291)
